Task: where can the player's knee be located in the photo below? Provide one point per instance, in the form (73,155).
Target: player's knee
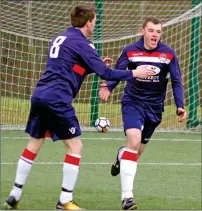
(133,138)
(34,145)
(134,144)
(74,145)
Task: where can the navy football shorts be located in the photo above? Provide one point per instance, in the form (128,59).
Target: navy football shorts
(60,120)
(134,116)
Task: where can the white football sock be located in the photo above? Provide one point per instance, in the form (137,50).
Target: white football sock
(70,174)
(16,192)
(22,172)
(128,167)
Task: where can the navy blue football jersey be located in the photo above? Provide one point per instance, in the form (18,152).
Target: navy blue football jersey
(71,57)
(150,92)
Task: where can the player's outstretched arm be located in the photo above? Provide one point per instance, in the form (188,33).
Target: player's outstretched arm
(95,65)
(143,71)
(140,72)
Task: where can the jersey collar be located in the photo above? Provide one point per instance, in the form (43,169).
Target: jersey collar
(75,31)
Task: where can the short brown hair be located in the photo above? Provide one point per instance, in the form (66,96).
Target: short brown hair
(81,15)
(152,20)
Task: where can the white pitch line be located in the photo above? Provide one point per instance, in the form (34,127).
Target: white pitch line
(106,163)
(154,139)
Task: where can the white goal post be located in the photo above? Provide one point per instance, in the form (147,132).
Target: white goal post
(28,26)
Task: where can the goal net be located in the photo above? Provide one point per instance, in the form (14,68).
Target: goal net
(28,26)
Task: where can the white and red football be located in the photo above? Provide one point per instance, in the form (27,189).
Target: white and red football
(102,124)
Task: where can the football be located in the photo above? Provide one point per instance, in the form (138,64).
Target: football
(102,124)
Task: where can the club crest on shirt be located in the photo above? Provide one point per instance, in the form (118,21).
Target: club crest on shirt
(162,57)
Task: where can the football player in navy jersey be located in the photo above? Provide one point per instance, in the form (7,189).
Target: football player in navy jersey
(143,100)
(70,58)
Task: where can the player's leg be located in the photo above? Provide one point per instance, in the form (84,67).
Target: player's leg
(132,119)
(115,169)
(66,127)
(149,128)
(133,125)
(70,174)
(128,167)
(35,142)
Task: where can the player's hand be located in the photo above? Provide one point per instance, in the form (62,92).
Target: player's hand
(143,71)
(182,114)
(104,92)
(107,60)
